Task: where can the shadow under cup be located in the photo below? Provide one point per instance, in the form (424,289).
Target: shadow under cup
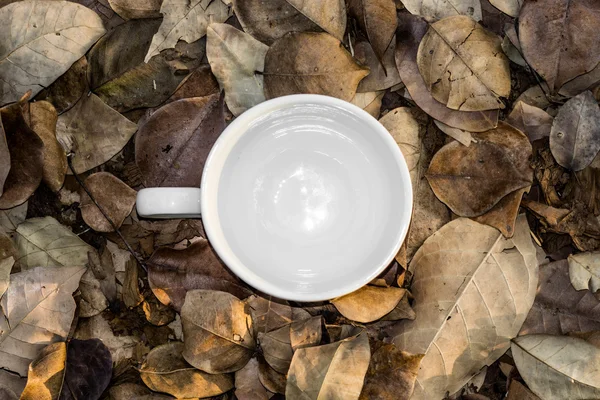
(313,200)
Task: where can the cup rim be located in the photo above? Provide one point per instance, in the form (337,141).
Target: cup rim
(210,187)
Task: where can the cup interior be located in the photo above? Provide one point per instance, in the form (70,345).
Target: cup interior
(306,197)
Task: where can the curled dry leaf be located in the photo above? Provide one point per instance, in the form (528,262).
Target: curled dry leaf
(368,303)
(575,134)
(35,56)
(234,58)
(66,91)
(43,122)
(463,65)
(94,132)
(433,10)
(410,31)
(165,370)
(377,19)
(172,145)
(571,43)
(129,9)
(46,373)
(218,331)
(185,20)
(311,63)
(269,20)
(329,370)
(534,122)
(114,196)
(511,44)
(382,75)
(558,367)
(584,271)
(503,216)
(46,316)
(462,136)
(473,289)
(510,7)
(370,102)
(247,383)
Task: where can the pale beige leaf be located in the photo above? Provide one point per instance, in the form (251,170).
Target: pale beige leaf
(234,58)
(185,20)
(558,367)
(509,7)
(460,135)
(39,41)
(369,101)
(11,218)
(584,271)
(369,303)
(433,10)
(473,289)
(5,268)
(463,65)
(45,242)
(37,309)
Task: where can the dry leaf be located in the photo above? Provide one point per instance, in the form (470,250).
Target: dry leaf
(463,65)
(306,332)
(331,371)
(533,121)
(410,31)
(11,218)
(94,132)
(93,301)
(89,370)
(172,145)
(370,102)
(269,20)
(66,91)
(131,290)
(129,391)
(45,242)
(473,289)
(157,313)
(272,380)
(503,216)
(247,383)
(277,349)
(584,271)
(377,19)
(382,75)
(115,197)
(517,391)
(26,155)
(269,313)
(403,310)
(6,265)
(567,47)
(433,10)
(535,96)
(510,7)
(185,20)
(462,136)
(368,303)
(558,367)
(11,384)
(199,83)
(45,317)
(311,63)
(234,58)
(46,373)
(42,50)
(165,370)
(512,52)
(4,158)
(575,134)
(129,9)
(471,180)
(103,268)
(587,81)
(218,331)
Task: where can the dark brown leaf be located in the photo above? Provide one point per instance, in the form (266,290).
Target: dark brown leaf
(4,158)
(156,312)
(66,91)
(503,215)
(247,383)
(89,370)
(131,289)
(271,379)
(518,391)
(199,83)
(110,18)
(377,19)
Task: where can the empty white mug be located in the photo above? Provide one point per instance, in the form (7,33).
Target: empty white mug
(304,197)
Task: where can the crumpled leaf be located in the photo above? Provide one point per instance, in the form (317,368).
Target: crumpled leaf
(560,38)
(460,135)
(27,326)
(558,367)
(473,289)
(463,65)
(309,62)
(584,271)
(509,7)
(433,10)
(575,134)
(218,331)
(45,242)
(270,20)
(172,145)
(370,102)
(534,122)
(66,91)
(377,19)
(247,383)
(101,265)
(410,31)
(94,132)
(382,75)
(471,180)
(234,58)
(185,20)
(114,196)
(368,303)
(130,9)
(328,371)
(165,370)
(54,35)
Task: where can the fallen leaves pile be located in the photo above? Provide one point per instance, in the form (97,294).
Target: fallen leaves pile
(493,295)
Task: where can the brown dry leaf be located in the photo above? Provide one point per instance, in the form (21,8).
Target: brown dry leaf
(391,375)
(311,63)
(533,121)
(377,19)
(575,134)
(93,301)
(11,384)
(517,391)
(584,271)
(46,373)
(471,180)
(269,313)
(306,332)
(102,266)
(473,289)
(509,7)
(200,83)
(433,10)
(185,20)
(165,370)
(382,75)
(403,310)
(156,312)
(410,31)
(277,349)
(335,370)
(129,391)
(172,145)
(368,303)
(535,96)
(93,131)
(503,216)
(270,20)
(114,196)
(272,380)
(128,9)
(26,156)
(463,65)
(587,81)
(234,58)
(66,91)
(34,57)
(218,331)
(247,383)
(370,102)
(131,289)
(4,158)
(558,367)
(462,136)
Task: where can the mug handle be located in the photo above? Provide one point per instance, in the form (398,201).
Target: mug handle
(169,202)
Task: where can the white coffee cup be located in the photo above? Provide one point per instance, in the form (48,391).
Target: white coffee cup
(304,197)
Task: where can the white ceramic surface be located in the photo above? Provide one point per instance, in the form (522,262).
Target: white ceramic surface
(304,197)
